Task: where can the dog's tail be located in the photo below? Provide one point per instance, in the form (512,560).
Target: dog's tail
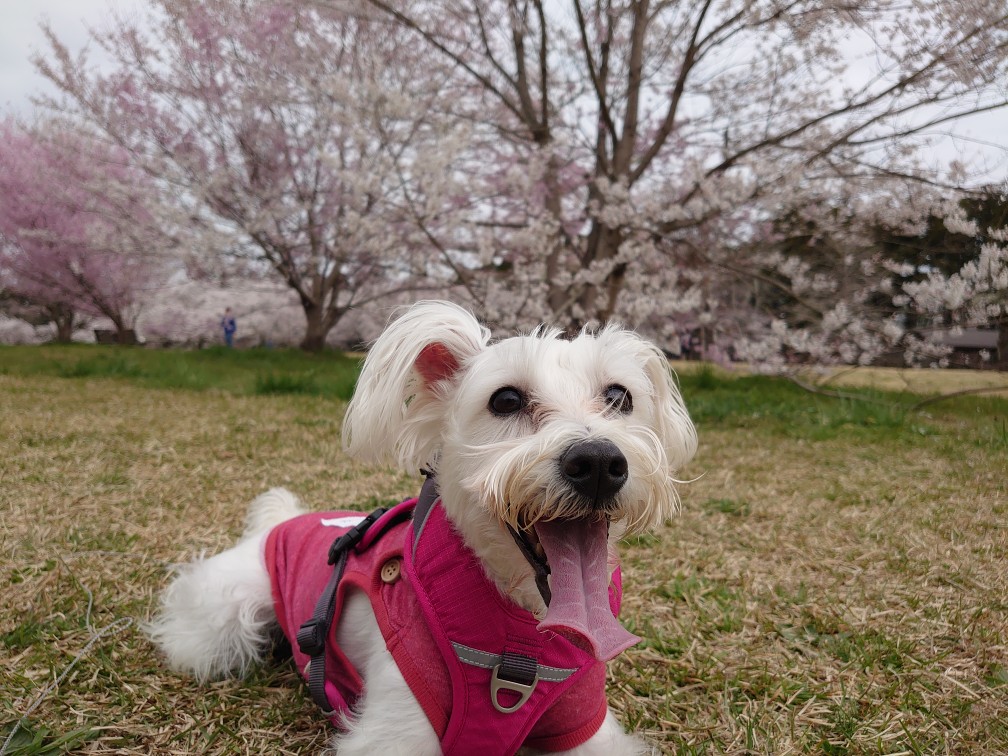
(270,509)
(216,617)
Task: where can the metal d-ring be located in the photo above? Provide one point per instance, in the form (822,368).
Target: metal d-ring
(498,684)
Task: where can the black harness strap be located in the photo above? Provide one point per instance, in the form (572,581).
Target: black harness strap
(429,496)
(311,636)
(538,563)
(425,503)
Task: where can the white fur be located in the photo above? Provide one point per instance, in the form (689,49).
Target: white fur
(217,614)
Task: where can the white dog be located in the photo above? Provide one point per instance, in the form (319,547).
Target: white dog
(480,618)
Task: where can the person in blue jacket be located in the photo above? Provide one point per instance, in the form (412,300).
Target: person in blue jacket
(230,326)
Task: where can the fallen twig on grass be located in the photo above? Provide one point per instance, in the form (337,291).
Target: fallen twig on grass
(814,389)
(963,392)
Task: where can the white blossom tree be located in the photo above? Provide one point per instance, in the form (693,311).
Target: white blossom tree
(853,289)
(627,158)
(975,295)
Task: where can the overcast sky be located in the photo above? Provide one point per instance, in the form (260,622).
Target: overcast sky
(985,136)
(20,37)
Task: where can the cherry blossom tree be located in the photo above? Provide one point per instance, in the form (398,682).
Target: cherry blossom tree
(974,294)
(189,312)
(569,162)
(76,235)
(898,292)
(627,158)
(25,321)
(290,138)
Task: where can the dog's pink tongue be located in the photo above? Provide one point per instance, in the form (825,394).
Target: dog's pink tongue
(579,581)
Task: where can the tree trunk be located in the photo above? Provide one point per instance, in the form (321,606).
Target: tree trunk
(64,330)
(599,301)
(124,334)
(1002,346)
(314,338)
(317,327)
(63,318)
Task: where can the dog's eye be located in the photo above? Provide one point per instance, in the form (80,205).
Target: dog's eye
(618,398)
(507,401)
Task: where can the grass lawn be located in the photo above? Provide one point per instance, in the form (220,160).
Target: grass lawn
(837,581)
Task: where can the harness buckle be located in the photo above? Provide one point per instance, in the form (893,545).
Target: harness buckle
(353,536)
(498,683)
(311,637)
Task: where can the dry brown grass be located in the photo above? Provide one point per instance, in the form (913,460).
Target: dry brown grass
(103,486)
(923,381)
(915,380)
(845,595)
(841,597)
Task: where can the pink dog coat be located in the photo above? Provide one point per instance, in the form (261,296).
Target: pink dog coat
(457,641)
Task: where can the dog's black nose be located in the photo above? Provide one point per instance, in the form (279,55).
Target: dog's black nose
(595,468)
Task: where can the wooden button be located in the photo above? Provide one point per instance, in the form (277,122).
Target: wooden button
(391,570)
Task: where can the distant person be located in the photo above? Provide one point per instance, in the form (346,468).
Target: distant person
(230,326)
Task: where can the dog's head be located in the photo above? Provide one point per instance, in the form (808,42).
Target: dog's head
(559,439)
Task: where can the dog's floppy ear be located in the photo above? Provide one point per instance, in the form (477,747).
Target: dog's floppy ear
(672,423)
(397,411)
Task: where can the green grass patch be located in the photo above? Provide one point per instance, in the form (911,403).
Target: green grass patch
(869,649)
(997,676)
(729,507)
(786,410)
(33,740)
(715,399)
(107,365)
(285,383)
(259,372)
(715,602)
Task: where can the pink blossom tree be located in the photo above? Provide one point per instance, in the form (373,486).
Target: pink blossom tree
(76,234)
(627,158)
(289,136)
